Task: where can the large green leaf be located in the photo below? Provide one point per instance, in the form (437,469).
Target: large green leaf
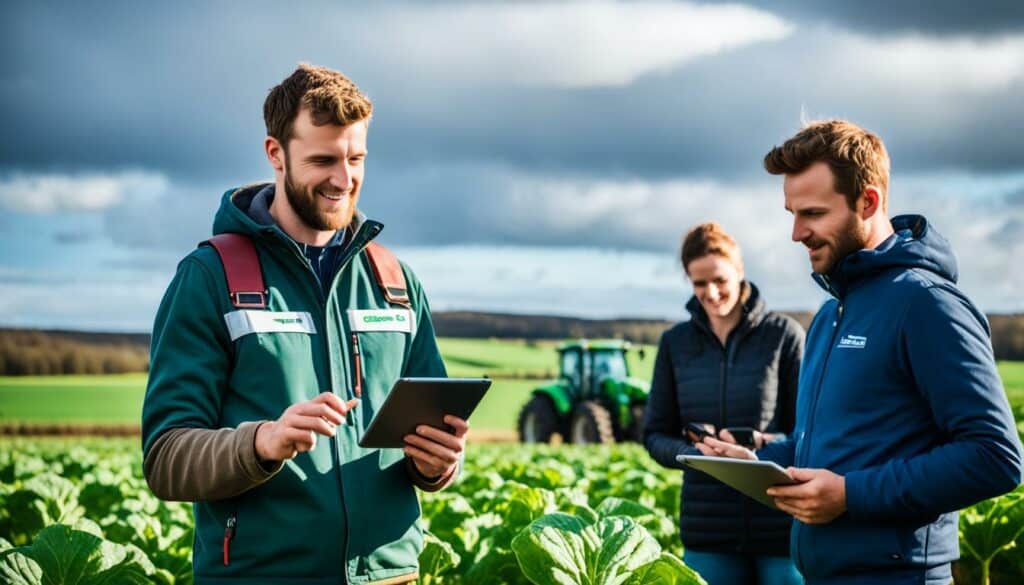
(667,569)
(446,514)
(559,549)
(661,527)
(494,564)
(992,526)
(65,556)
(613,506)
(42,500)
(436,559)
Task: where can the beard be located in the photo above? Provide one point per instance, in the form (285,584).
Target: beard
(852,237)
(304,200)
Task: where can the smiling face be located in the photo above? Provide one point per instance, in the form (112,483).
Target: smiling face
(822,219)
(716,284)
(320,173)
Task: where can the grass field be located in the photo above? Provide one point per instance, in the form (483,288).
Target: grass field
(118,399)
(1013,379)
(72,399)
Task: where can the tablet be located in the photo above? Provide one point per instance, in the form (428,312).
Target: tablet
(750,477)
(422,401)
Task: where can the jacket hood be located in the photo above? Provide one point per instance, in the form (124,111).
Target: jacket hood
(915,244)
(233,214)
(237,214)
(753,307)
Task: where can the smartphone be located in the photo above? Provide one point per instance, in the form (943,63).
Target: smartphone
(697,431)
(744,436)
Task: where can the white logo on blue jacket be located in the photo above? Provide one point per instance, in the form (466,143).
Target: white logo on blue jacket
(853,342)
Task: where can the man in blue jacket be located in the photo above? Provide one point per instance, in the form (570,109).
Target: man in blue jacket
(901,415)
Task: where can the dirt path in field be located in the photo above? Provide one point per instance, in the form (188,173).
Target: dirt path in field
(37,430)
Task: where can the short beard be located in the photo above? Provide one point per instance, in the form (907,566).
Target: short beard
(304,202)
(852,238)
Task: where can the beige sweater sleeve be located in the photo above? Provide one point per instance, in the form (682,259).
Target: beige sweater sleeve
(204,464)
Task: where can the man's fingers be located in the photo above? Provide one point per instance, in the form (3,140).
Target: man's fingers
(310,423)
(319,410)
(443,454)
(438,436)
(792,510)
(802,474)
(330,399)
(335,402)
(424,457)
(727,437)
(298,439)
(801,491)
(460,426)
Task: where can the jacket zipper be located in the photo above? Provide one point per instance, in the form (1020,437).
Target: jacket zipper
(354,247)
(810,418)
(723,374)
(229,533)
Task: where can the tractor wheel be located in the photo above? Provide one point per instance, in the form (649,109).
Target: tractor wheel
(538,421)
(591,423)
(637,434)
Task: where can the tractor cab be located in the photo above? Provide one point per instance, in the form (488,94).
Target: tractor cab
(593,401)
(585,366)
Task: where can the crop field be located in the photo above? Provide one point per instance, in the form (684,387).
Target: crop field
(78,511)
(514,513)
(82,509)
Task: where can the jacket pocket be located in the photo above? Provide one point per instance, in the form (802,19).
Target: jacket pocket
(381,356)
(272,364)
(844,547)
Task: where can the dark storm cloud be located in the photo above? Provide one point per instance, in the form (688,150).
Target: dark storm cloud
(941,17)
(180,91)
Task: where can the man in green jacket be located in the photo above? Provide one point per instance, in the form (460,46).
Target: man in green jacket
(238,398)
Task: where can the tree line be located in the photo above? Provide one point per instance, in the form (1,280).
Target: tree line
(26,352)
(34,352)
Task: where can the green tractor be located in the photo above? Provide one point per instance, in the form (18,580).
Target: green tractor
(593,401)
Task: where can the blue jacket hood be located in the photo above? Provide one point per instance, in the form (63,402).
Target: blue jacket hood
(915,244)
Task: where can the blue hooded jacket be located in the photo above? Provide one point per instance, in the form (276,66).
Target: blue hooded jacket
(900,394)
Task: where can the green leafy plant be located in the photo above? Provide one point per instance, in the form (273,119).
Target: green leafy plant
(992,527)
(62,554)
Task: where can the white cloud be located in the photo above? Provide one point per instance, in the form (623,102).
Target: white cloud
(566,44)
(111,300)
(48,193)
(919,65)
(972,213)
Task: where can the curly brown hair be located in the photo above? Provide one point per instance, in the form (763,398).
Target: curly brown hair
(856,156)
(330,97)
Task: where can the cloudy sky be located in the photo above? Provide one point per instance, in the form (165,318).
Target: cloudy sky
(540,157)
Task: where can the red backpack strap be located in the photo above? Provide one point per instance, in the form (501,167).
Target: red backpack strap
(389,274)
(242,270)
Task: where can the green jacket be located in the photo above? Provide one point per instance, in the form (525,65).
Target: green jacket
(339,511)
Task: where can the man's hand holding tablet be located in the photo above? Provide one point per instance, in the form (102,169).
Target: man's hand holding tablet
(434,452)
(819,498)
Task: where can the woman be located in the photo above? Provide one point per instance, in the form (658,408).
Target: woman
(734,365)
